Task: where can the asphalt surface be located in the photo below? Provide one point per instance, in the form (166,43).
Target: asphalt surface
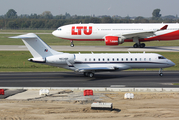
(72,79)
(95,48)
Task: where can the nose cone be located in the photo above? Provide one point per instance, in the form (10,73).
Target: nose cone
(55,33)
(171,63)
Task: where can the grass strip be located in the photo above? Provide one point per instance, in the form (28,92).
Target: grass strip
(52,40)
(175,83)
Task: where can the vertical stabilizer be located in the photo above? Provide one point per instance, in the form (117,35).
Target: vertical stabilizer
(36,46)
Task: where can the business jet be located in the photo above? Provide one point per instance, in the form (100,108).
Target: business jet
(115,34)
(91,63)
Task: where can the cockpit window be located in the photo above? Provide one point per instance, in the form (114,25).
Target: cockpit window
(59,29)
(161,57)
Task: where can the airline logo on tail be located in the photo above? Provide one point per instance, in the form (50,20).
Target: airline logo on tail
(79,29)
(46,50)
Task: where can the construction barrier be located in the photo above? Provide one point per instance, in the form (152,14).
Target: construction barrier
(1,91)
(88,92)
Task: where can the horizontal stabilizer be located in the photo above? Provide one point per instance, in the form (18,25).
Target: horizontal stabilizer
(37,60)
(26,36)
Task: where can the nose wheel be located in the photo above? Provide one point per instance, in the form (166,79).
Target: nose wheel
(72,45)
(160,72)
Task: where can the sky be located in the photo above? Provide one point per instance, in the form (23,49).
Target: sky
(92,7)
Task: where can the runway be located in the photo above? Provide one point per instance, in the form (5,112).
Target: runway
(72,79)
(95,48)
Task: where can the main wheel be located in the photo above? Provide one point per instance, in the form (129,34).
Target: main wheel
(135,45)
(85,74)
(91,75)
(142,45)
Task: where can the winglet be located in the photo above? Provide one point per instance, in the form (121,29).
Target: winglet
(164,27)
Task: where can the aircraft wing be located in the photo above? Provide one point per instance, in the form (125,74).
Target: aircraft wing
(108,68)
(139,34)
(143,34)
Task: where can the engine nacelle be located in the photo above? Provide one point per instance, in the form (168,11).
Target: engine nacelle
(113,40)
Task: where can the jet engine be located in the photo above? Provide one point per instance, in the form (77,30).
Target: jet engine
(113,40)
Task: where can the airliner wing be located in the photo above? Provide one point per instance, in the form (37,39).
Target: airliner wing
(140,34)
(143,34)
(109,68)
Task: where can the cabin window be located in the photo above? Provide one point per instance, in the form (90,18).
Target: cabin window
(85,59)
(108,59)
(131,59)
(113,59)
(126,59)
(149,59)
(90,59)
(117,59)
(135,59)
(122,59)
(140,59)
(93,59)
(103,59)
(144,59)
(99,59)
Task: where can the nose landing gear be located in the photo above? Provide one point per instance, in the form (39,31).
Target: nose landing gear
(160,72)
(72,45)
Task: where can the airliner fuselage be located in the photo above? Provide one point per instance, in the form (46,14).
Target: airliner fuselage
(114,34)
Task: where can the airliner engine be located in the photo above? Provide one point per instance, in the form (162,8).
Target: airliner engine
(113,40)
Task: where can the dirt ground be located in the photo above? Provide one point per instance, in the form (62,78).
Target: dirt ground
(144,106)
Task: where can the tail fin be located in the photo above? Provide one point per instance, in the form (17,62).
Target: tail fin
(37,47)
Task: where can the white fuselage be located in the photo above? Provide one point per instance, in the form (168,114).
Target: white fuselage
(119,60)
(97,32)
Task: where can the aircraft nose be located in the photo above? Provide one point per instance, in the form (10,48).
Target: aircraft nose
(171,63)
(55,33)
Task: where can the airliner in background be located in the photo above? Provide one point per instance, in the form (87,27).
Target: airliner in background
(115,34)
(89,64)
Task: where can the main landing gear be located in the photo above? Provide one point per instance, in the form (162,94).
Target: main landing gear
(160,72)
(88,74)
(137,43)
(72,45)
(142,45)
